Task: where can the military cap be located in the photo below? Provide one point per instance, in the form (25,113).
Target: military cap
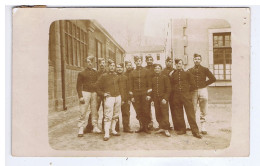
(126,62)
(177,60)
(100,60)
(168,59)
(121,64)
(196,55)
(110,61)
(136,57)
(90,57)
(147,57)
(156,64)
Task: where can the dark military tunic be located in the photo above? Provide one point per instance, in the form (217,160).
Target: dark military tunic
(139,84)
(161,90)
(86,81)
(182,81)
(109,83)
(200,74)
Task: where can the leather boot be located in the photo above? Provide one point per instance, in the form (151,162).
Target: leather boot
(141,129)
(146,129)
(203,128)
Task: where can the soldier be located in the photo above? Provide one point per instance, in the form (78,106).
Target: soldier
(129,68)
(166,71)
(125,104)
(108,86)
(101,70)
(150,68)
(160,95)
(199,90)
(87,96)
(100,99)
(140,89)
(181,83)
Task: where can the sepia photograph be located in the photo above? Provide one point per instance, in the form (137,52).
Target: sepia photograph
(136,82)
(99,89)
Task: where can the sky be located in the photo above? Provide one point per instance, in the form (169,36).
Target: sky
(134,27)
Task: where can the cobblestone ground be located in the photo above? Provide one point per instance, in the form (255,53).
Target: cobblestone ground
(63,134)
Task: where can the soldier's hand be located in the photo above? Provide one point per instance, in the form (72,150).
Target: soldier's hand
(133,99)
(170,74)
(152,103)
(106,94)
(81,100)
(122,102)
(164,101)
(148,98)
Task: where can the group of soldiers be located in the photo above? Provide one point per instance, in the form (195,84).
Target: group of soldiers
(142,86)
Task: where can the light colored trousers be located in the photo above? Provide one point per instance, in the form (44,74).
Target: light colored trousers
(90,100)
(112,108)
(201,96)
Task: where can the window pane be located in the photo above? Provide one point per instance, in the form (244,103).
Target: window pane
(228,66)
(218,56)
(227,37)
(220,66)
(228,72)
(215,66)
(227,43)
(221,77)
(228,77)
(220,41)
(228,56)
(158,57)
(216,71)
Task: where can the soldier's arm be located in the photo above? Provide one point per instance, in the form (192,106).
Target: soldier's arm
(148,80)
(191,78)
(121,89)
(211,77)
(127,89)
(79,85)
(131,84)
(167,87)
(99,85)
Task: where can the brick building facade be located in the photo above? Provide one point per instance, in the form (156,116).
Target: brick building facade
(70,42)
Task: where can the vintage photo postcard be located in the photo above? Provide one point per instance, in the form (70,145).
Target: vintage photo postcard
(135,82)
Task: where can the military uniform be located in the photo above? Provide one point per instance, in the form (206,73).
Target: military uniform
(166,72)
(161,90)
(139,85)
(199,91)
(181,82)
(109,83)
(86,88)
(89,126)
(100,99)
(150,69)
(125,107)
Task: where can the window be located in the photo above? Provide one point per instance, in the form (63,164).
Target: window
(112,55)
(99,49)
(222,55)
(75,44)
(158,57)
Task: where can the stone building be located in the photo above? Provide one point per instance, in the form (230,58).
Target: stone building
(211,38)
(70,42)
